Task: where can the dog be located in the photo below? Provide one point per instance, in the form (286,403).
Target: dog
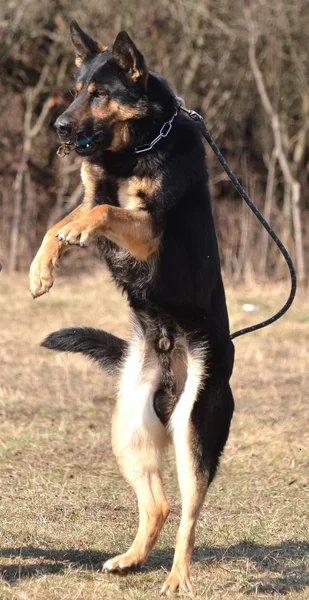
(147,204)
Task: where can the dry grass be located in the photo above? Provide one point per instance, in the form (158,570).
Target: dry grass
(64,506)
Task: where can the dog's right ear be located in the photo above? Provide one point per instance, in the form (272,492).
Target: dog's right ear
(84,44)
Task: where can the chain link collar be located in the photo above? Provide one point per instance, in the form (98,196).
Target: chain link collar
(164,131)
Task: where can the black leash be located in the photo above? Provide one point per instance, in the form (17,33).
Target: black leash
(197,118)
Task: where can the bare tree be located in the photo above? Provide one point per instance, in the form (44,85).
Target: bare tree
(201,47)
(293,186)
(30,131)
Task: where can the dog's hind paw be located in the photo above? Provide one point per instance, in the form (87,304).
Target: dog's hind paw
(122,564)
(177,582)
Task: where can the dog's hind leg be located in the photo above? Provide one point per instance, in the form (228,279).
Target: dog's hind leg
(153,512)
(138,441)
(199,428)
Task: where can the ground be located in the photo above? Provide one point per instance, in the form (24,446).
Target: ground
(64,506)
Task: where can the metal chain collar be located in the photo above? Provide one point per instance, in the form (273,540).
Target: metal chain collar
(164,131)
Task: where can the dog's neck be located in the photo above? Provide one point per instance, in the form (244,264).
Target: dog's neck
(126,162)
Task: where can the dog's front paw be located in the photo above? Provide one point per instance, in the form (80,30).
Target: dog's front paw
(41,274)
(78,233)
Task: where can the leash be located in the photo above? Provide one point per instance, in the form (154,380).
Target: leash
(199,119)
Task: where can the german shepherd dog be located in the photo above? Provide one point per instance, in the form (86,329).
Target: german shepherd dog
(147,204)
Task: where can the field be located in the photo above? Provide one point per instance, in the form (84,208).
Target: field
(64,506)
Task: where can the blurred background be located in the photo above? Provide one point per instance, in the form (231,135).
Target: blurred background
(243,66)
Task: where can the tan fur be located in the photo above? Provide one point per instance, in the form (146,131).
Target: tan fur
(193,487)
(125,112)
(114,113)
(101,112)
(144,78)
(129,229)
(135,421)
(192,500)
(179,365)
(42,267)
(129,189)
(91,88)
(110,109)
(139,439)
(90,175)
(121,137)
(79,86)
(101,47)
(51,250)
(153,512)
(133,230)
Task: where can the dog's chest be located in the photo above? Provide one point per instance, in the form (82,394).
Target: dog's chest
(135,276)
(130,193)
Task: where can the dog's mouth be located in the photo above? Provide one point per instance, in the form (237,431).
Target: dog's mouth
(82,146)
(87,145)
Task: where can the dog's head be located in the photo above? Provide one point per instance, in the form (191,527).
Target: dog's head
(111,91)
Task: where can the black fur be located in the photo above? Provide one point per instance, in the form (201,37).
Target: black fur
(179,290)
(166,260)
(105,348)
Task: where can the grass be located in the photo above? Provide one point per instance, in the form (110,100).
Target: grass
(64,506)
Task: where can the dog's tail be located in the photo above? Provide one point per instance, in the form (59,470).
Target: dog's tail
(105,348)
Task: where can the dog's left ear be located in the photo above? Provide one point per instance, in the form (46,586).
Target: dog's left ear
(129,58)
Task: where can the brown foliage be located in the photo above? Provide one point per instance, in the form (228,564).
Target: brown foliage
(202,49)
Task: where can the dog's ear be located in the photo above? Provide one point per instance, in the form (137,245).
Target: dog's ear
(130,58)
(84,44)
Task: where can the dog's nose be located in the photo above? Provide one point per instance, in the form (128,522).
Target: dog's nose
(63,125)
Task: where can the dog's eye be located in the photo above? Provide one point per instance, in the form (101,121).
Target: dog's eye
(99,94)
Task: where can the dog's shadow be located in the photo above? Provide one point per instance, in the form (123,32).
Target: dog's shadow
(286,561)
(60,560)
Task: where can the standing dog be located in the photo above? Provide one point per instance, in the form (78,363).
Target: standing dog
(147,204)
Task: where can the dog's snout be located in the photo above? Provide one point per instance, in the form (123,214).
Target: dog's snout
(63,125)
